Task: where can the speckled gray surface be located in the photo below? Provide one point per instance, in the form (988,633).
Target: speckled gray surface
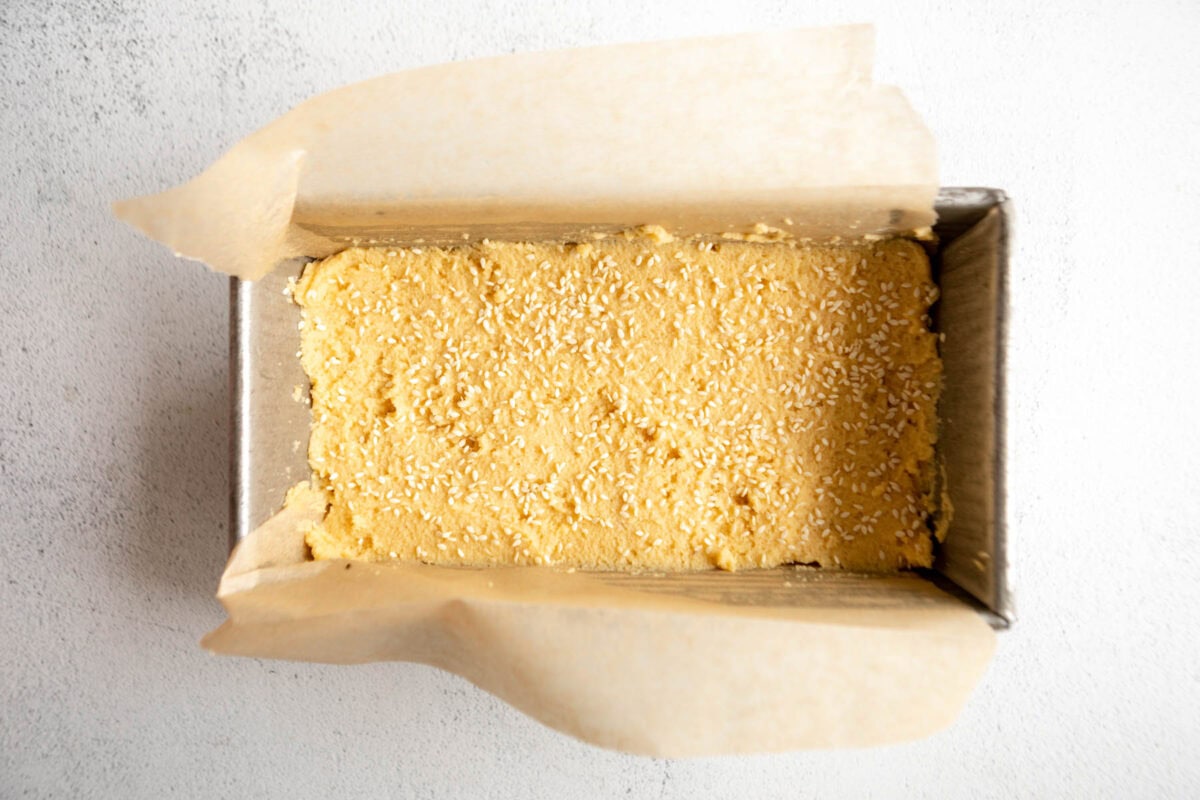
(113,416)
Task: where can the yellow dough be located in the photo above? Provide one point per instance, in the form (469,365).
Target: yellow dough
(627,403)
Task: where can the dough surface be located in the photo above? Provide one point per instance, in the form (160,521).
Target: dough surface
(626,403)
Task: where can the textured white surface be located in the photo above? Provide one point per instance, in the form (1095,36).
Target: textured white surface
(113,418)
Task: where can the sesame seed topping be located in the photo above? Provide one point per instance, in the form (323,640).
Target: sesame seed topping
(630,401)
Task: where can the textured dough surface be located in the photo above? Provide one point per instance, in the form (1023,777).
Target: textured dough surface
(624,404)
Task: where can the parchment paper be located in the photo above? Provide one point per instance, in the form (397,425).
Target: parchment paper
(703,136)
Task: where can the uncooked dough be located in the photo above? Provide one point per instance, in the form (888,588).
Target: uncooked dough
(626,403)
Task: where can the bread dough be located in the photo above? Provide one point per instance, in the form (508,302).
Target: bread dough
(627,403)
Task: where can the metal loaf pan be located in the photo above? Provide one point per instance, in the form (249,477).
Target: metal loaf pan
(970,262)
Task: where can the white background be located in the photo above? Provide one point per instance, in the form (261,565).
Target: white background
(113,419)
